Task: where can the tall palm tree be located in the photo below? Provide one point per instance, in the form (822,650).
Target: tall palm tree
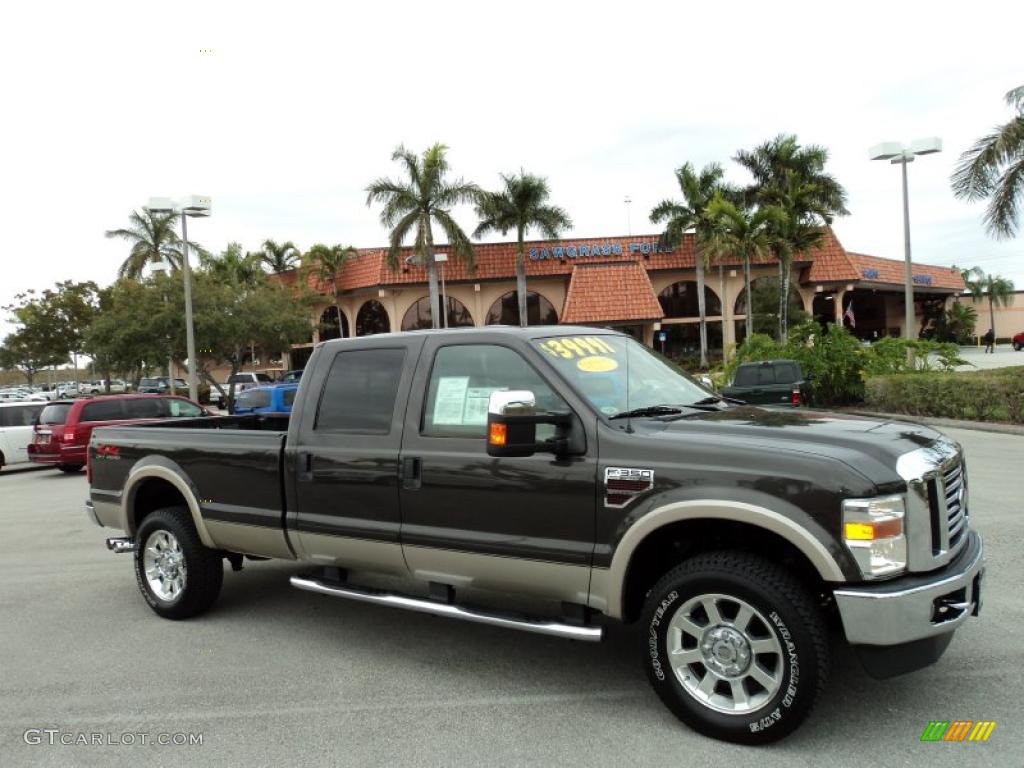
(680,217)
(233,267)
(793,178)
(325,263)
(747,234)
(154,239)
(413,204)
(520,205)
(994,168)
(998,289)
(279,257)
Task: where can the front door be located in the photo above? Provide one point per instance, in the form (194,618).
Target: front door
(521,524)
(346,488)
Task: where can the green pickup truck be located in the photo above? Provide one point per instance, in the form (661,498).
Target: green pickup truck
(769,382)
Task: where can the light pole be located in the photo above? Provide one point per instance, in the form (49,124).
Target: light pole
(197,206)
(896,153)
(442,258)
(164,268)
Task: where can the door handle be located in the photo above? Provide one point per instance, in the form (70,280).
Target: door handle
(411,469)
(305,462)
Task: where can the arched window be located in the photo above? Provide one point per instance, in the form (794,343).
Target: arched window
(329,324)
(680,300)
(765,291)
(372,318)
(505,311)
(419,315)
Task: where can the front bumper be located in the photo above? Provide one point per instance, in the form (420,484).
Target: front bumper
(920,608)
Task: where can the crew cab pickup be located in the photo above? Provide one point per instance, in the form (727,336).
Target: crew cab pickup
(769,382)
(575,469)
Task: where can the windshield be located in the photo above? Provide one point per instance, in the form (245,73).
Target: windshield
(597,366)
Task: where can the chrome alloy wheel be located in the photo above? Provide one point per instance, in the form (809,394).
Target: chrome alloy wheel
(164,565)
(725,653)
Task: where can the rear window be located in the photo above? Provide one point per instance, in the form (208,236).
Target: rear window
(147,382)
(56,413)
(360,391)
(766,374)
(103,410)
(19,415)
(746,376)
(254,398)
(240,378)
(786,373)
(263,377)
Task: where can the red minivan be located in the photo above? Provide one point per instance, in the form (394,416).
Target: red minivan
(65,426)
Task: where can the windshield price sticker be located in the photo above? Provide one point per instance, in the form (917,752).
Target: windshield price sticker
(570,347)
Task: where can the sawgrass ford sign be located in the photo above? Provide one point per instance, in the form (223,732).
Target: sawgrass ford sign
(592,250)
(874,274)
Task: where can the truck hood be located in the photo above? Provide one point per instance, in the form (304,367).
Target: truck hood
(869,446)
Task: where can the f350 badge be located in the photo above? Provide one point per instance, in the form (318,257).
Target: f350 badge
(624,484)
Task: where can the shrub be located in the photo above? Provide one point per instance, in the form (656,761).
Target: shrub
(978,396)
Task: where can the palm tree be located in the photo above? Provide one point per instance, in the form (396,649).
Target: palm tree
(520,205)
(279,258)
(153,240)
(998,289)
(691,214)
(748,234)
(325,263)
(415,203)
(792,177)
(994,168)
(234,267)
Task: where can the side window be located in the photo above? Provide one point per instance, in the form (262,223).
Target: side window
(146,408)
(183,409)
(461,383)
(29,414)
(8,417)
(103,410)
(360,391)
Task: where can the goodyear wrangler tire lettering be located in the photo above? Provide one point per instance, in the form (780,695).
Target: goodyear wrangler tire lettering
(714,618)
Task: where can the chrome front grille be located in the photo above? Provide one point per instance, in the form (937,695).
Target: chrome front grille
(954,490)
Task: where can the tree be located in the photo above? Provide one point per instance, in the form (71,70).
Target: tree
(325,264)
(993,169)
(679,217)
(153,239)
(520,205)
(749,235)
(998,289)
(793,178)
(279,258)
(413,204)
(233,267)
(30,349)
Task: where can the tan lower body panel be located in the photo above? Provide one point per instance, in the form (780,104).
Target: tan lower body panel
(347,552)
(552,581)
(108,513)
(249,539)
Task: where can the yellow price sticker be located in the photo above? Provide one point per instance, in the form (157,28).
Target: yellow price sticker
(571,347)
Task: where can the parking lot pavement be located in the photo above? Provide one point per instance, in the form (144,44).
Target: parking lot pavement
(273,676)
(978,360)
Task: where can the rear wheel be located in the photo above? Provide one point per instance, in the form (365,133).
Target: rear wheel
(176,573)
(1016,346)
(70,469)
(735,647)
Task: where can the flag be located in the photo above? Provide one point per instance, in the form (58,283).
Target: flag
(848,315)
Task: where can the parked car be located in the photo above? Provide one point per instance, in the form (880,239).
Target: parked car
(65,426)
(99,387)
(236,383)
(16,420)
(277,398)
(486,460)
(769,382)
(159,385)
(1018,342)
(291,376)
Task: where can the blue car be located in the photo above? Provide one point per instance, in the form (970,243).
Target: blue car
(277,398)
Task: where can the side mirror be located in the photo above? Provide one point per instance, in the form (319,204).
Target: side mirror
(512,419)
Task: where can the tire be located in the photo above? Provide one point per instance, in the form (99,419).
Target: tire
(70,469)
(177,575)
(778,657)
(1016,346)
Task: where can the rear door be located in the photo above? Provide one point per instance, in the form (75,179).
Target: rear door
(524,524)
(16,431)
(346,454)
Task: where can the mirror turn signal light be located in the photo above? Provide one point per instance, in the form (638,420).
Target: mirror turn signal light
(498,433)
(871,531)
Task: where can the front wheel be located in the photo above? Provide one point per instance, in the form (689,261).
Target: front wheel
(176,573)
(735,647)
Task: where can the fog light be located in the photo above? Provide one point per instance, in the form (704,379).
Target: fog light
(873,532)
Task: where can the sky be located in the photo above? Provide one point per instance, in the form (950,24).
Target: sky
(284,112)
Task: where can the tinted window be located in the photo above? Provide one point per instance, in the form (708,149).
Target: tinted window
(360,391)
(57,413)
(19,415)
(786,373)
(147,382)
(746,376)
(263,377)
(461,383)
(103,410)
(240,378)
(146,408)
(289,396)
(183,409)
(254,398)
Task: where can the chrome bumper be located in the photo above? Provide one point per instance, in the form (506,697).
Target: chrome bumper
(915,607)
(90,510)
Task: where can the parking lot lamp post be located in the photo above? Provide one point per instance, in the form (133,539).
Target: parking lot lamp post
(162,267)
(896,153)
(195,205)
(442,258)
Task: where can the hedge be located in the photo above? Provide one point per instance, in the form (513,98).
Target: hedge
(977,396)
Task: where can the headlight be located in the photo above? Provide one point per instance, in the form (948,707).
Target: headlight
(873,532)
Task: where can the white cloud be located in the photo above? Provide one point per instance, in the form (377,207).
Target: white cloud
(299,105)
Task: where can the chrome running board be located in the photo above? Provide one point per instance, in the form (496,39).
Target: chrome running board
(539,626)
